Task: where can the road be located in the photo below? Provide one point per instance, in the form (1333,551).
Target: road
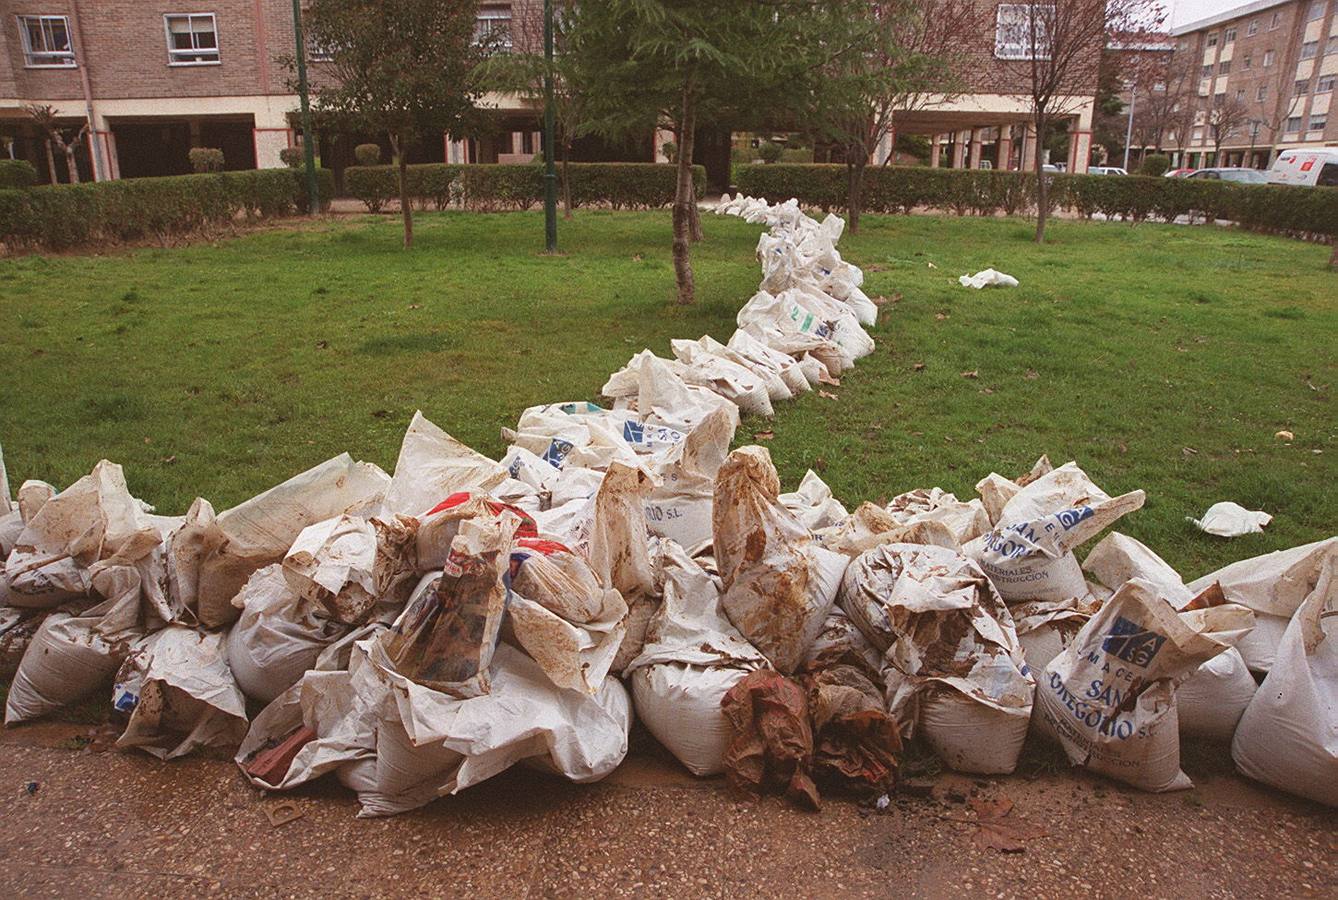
(117,824)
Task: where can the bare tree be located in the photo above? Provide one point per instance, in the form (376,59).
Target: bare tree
(1055,47)
(46,119)
(1225,116)
(1167,102)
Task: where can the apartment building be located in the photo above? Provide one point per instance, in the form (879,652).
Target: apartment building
(989,124)
(157,77)
(1265,81)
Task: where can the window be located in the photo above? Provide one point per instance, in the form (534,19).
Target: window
(1293,125)
(1248,62)
(1207,71)
(1240,95)
(1229,35)
(1212,39)
(1328,176)
(46,42)
(1275,21)
(1198,135)
(1316,11)
(1332,45)
(492,25)
(1253,28)
(1224,68)
(1262,94)
(1268,58)
(1324,84)
(1302,87)
(192,39)
(1310,49)
(1022,31)
(1317,122)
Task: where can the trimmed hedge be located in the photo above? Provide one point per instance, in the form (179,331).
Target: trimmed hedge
(490,187)
(1300,212)
(17,173)
(65,216)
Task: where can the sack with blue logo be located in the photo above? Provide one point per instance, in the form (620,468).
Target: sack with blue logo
(1109,698)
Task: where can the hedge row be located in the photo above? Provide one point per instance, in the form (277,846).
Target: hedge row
(1301,212)
(64,216)
(497,187)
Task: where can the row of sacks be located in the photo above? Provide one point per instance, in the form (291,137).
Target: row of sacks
(799,641)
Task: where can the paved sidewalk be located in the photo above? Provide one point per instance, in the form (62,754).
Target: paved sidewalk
(116,824)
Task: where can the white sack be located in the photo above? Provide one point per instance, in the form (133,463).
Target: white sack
(735,382)
(779,583)
(813,504)
(1288,736)
(1109,698)
(278,636)
(346,565)
(966,520)
(582,737)
(987,278)
(1229,519)
(32,496)
(653,389)
(679,505)
(432,465)
(1274,586)
(749,347)
(180,694)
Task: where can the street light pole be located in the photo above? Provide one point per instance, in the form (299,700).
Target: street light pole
(550,126)
(308,136)
(1129,129)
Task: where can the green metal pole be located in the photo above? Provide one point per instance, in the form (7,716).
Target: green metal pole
(308,135)
(550,126)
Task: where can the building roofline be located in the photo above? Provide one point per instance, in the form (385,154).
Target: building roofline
(1233,13)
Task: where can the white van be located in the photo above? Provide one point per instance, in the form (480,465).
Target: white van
(1306,166)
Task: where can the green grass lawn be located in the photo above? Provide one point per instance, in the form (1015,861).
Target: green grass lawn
(1159,357)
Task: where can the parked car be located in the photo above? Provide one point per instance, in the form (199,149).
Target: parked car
(1241,176)
(1051,167)
(1178,173)
(1106,170)
(1309,167)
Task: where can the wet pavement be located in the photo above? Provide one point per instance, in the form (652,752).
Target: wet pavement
(102,824)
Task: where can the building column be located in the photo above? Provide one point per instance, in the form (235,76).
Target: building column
(958,150)
(977,145)
(1029,148)
(935,151)
(1004,157)
(1080,142)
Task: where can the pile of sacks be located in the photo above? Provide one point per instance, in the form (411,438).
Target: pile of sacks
(416,633)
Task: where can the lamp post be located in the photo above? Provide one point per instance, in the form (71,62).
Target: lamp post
(308,136)
(550,126)
(1254,136)
(1129,129)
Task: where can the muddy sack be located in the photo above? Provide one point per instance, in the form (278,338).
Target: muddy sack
(955,671)
(779,584)
(692,657)
(447,634)
(176,687)
(1109,698)
(346,565)
(771,738)
(813,504)
(66,660)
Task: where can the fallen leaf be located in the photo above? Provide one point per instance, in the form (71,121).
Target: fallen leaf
(415,306)
(1285,436)
(1187,452)
(1124,448)
(881,300)
(987,391)
(875,267)
(1032,375)
(918,367)
(637,257)
(974,373)
(148,440)
(932,266)
(380,414)
(940,316)
(322,345)
(828,395)
(169,460)
(763,435)
(997,829)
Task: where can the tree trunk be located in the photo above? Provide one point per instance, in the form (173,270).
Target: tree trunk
(684,200)
(71,164)
(402,170)
(51,163)
(566,180)
(855,166)
(1042,187)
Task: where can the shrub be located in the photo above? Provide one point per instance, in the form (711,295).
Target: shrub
(292,157)
(205,159)
(1300,212)
(367,154)
(797,155)
(770,152)
(491,187)
(62,217)
(1155,165)
(17,173)
(670,151)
